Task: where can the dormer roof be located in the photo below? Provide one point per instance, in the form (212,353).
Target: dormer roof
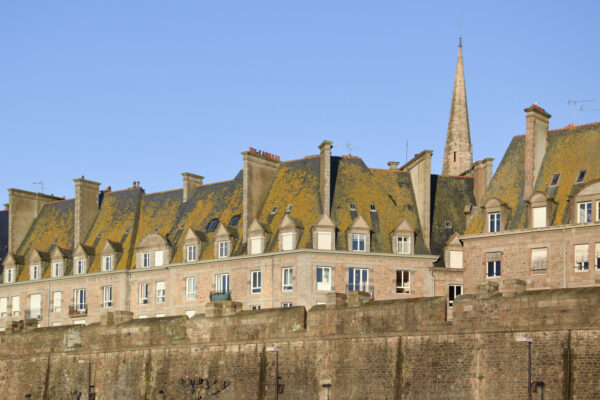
(403,226)
(38,256)
(324,222)
(59,252)
(83,250)
(359,223)
(288,222)
(259,227)
(111,246)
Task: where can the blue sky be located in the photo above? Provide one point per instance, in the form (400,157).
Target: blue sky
(144,90)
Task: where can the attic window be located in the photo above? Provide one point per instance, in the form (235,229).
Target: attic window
(580,176)
(352,206)
(555,179)
(274,210)
(156,229)
(448,224)
(212,225)
(373,208)
(289,208)
(234,220)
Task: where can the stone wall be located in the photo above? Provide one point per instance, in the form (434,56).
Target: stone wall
(402,349)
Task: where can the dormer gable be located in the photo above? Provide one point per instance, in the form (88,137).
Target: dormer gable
(323,233)
(61,261)
(540,209)
(403,238)
(153,250)
(585,203)
(359,235)
(224,237)
(110,253)
(38,262)
(192,244)
(82,257)
(290,229)
(258,235)
(496,215)
(13,264)
(453,252)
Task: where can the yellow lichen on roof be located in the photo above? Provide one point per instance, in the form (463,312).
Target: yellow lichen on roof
(159,209)
(475,225)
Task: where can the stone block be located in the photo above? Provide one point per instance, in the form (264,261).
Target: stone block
(487,290)
(357,298)
(115,317)
(222,308)
(513,287)
(336,299)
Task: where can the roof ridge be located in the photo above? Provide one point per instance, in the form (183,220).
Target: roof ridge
(303,158)
(58,201)
(571,125)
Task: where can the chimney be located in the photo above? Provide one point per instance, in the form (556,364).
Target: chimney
(23,208)
(259,170)
(420,175)
(536,141)
(482,175)
(393,164)
(86,207)
(190,181)
(325,176)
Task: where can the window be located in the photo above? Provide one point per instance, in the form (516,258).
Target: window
(145,260)
(456,259)
(598,211)
(234,220)
(352,206)
(453,292)
(190,288)
(143,293)
(403,245)
(554,180)
(161,292)
(538,260)
(10,275)
(539,217)
(255,307)
(287,241)
(80,266)
(494,219)
(581,257)
(160,315)
(159,258)
(57,301)
(323,278)
(191,253)
(580,176)
(256,245)
(212,225)
(190,313)
(107,296)
(493,265)
(289,208)
(373,208)
(585,212)
(274,210)
(286,305)
(358,242)
(16,306)
(35,272)
(56,269)
(358,279)
(403,281)
(597,255)
(223,249)
(287,279)
(107,264)
(324,240)
(256,282)
(3,307)
(448,224)
(79,299)
(222,283)
(35,306)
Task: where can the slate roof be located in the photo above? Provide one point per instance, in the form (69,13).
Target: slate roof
(3,235)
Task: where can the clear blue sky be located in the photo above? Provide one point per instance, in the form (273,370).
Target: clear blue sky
(144,90)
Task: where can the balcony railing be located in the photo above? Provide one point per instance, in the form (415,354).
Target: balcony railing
(361,287)
(35,313)
(220,296)
(78,310)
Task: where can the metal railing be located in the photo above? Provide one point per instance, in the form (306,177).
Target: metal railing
(220,296)
(361,287)
(35,313)
(78,310)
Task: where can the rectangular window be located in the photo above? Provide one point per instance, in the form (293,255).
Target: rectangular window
(287,241)
(324,240)
(3,307)
(287,279)
(256,245)
(581,257)
(35,272)
(286,305)
(35,306)
(80,299)
(493,265)
(107,296)
(10,275)
(453,292)
(585,212)
(222,283)
(255,307)
(80,267)
(598,211)
(145,260)
(403,281)
(539,217)
(107,264)
(223,249)
(358,279)
(16,306)
(191,253)
(538,260)
(161,292)
(143,292)
(190,288)
(324,278)
(403,245)
(256,282)
(358,242)
(56,269)
(597,255)
(159,258)
(456,259)
(57,301)
(494,219)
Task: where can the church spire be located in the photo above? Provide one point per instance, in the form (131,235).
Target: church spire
(458,154)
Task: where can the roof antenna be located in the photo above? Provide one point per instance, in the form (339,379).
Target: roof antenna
(576,110)
(406,156)
(39,183)
(350,148)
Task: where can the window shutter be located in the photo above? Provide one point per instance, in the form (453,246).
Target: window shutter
(456,259)
(324,240)
(539,217)
(287,241)
(158,258)
(35,301)
(256,245)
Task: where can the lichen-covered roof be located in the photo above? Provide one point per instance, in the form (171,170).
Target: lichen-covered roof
(3,236)
(52,227)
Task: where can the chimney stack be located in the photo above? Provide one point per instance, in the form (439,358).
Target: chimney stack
(420,175)
(190,181)
(393,164)
(86,207)
(325,176)
(536,142)
(482,175)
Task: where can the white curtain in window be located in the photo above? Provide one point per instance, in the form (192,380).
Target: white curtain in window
(456,259)
(16,304)
(538,258)
(324,240)
(539,217)
(287,241)
(3,305)
(581,253)
(158,258)
(256,245)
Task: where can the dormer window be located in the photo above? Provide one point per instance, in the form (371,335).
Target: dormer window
(107,263)
(403,245)
(274,210)
(191,252)
(555,179)
(373,208)
(153,251)
(539,217)
(223,249)
(80,266)
(580,176)
(212,225)
(323,235)
(287,241)
(10,275)
(146,260)
(256,246)
(496,215)
(494,222)
(35,272)
(234,220)
(584,212)
(359,235)
(402,238)
(289,208)
(57,269)
(359,242)
(352,206)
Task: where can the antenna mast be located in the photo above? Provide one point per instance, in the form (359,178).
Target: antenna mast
(39,183)
(576,110)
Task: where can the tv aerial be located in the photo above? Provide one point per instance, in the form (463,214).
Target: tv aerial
(577,110)
(39,183)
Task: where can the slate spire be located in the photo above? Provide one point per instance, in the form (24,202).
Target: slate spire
(458,154)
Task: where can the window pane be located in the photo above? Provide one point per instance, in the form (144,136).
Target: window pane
(539,217)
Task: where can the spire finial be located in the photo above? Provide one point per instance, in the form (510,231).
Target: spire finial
(460,26)
(460,41)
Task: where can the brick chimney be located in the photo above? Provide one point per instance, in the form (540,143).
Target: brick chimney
(23,208)
(86,207)
(420,175)
(190,181)
(325,176)
(536,142)
(482,175)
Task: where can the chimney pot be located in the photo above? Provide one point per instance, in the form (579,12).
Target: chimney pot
(393,164)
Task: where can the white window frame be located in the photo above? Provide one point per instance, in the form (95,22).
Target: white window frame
(494,222)
(597,255)
(146,259)
(191,252)
(255,307)
(287,241)
(190,288)
(3,307)
(57,269)
(403,244)
(323,278)
(539,217)
(358,279)
(80,299)
(80,266)
(223,249)
(286,305)
(598,211)
(15,302)
(581,255)
(256,245)
(161,292)
(496,271)
(452,293)
(403,284)
(287,279)
(107,296)
(456,259)
(35,272)
(582,212)
(107,263)
(10,275)
(359,242)
(223,283)
(256,282)
(144,293)
(57,301)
